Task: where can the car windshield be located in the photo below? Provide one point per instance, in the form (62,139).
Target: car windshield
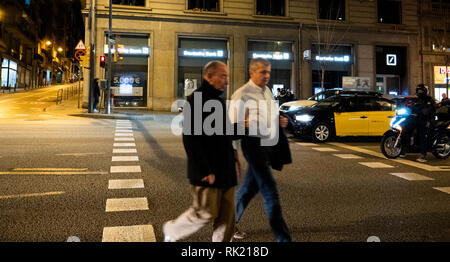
(328,102)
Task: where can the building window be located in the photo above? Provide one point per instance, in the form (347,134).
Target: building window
(130,70)
(204,5)
(129,2)
(271,7)
(332,9)
(389,12)
(280,54)
(9,74)
(193,55)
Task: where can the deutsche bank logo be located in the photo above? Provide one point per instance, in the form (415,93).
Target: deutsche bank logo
(391,60)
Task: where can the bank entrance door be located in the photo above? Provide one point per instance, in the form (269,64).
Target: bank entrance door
(389,85)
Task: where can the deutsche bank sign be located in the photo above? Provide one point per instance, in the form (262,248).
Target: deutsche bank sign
(391,60)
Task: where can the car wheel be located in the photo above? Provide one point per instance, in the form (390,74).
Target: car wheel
(321,133)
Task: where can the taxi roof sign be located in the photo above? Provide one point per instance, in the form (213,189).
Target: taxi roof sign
(80,46)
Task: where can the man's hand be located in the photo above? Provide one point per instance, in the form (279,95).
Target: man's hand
(283,121)
(211,178)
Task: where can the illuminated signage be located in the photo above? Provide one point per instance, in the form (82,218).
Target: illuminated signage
(129,50)
(272,55)
(203,53)
(391,60)
(342,59)
(441,75)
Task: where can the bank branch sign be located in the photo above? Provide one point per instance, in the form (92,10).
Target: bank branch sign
(203,53)
(391,60)
(330,58)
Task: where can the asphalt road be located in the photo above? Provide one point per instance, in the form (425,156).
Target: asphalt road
(56,182)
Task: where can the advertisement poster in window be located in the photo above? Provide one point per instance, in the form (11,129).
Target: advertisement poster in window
(128,84)
(356,83)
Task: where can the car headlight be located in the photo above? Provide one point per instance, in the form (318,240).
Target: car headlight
(304,118)
(403,111)
(293,108)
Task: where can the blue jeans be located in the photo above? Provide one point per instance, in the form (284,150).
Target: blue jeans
(259,178)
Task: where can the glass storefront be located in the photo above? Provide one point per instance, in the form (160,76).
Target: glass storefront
(9,73)
(334,61)
(130,70)
(281,57)
(193,55)
(441,77)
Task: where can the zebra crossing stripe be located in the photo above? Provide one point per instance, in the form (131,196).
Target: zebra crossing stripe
(126,204)
(139,233)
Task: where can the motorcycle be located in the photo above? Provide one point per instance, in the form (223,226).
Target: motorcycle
(438,136)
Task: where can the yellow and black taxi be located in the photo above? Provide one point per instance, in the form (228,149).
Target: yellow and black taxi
(343,115)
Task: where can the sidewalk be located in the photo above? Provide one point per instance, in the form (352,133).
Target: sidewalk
(70,107)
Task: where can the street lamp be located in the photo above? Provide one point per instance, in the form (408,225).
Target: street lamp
(60,49)
(48,43)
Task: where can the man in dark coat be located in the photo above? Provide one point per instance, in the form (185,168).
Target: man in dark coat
(212,162)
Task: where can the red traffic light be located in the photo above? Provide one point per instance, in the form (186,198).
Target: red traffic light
(102,61)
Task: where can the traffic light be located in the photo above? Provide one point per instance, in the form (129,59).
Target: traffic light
(102,61)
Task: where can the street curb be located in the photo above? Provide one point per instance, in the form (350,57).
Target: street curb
(134,116)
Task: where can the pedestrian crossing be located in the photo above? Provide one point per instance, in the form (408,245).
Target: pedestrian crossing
(378,165)
(126,153)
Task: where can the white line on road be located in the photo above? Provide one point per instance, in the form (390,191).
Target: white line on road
(126,183)
(124,158)
(375,165)
(306,144)
(125,169)
(80,154)
(124,131)
(443,189)
(120,151)
(126,204)
(123,139)
(141,233)
(347,156)
(53,173)
(124,134)
(50,169)
(412,176)
(32,195)
(401,161)
(325,149)
(124,144)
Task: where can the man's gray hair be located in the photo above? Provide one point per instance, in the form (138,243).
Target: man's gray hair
(211,67)
(257,62)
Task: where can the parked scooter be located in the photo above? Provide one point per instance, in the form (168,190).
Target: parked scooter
(438,135)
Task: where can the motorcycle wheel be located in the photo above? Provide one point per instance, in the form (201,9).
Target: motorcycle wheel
(387,146)
(441,147)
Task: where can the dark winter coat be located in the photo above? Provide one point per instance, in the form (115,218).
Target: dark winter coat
(208,154)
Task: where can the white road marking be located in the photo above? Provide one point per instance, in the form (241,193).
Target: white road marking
(412,176)
(347,156)
(52,173)
(22,115)
(401,161)
(80,154)
(120,151)
(124,125)
(443,189)
(307,144)
(50,169)
(124,134)
(124,144)
(125,169)
(325,149)
(32,195)
(126,204)
(375,165)
(124,131)
(124,158)
(141,233)
(126,183)
(123,139)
